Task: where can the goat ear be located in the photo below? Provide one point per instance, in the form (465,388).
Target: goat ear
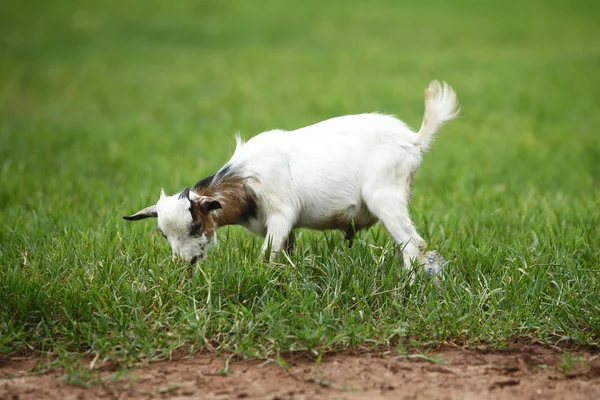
(207,204)
(148,212)
(185,193)
(162,193)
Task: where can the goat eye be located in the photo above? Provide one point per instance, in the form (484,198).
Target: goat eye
(195,228)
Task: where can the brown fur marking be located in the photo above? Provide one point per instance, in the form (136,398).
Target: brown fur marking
(236,199)
(203,221)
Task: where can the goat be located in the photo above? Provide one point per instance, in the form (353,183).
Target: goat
(344,173)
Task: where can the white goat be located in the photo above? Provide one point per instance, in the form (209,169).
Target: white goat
(343,173)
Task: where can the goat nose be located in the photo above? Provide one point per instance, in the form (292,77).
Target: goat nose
(193,260)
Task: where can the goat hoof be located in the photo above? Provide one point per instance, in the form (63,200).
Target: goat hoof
(434,263)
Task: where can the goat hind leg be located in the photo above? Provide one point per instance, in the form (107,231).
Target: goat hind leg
(349,236)
(391,207)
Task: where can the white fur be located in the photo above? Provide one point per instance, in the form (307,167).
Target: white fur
(351,170)
(174,223)
(357,165)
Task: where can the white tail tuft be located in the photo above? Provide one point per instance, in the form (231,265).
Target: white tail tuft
(440,106)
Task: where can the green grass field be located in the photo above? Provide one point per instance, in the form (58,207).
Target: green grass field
(103,103)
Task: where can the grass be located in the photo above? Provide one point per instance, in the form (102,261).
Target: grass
(103,103)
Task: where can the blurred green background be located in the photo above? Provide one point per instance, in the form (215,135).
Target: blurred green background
(104,102)
(142,94)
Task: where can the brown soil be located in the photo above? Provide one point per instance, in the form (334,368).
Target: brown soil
(524,373)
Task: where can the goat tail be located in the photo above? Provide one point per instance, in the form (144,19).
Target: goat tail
(441,106)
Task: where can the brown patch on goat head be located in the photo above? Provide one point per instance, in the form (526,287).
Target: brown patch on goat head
(202,216)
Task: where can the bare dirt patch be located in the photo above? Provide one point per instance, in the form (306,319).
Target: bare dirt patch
(531,372)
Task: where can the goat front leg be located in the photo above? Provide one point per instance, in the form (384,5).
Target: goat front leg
(289,244)
(279,230)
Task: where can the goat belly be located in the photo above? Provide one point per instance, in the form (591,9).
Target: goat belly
(358,216)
